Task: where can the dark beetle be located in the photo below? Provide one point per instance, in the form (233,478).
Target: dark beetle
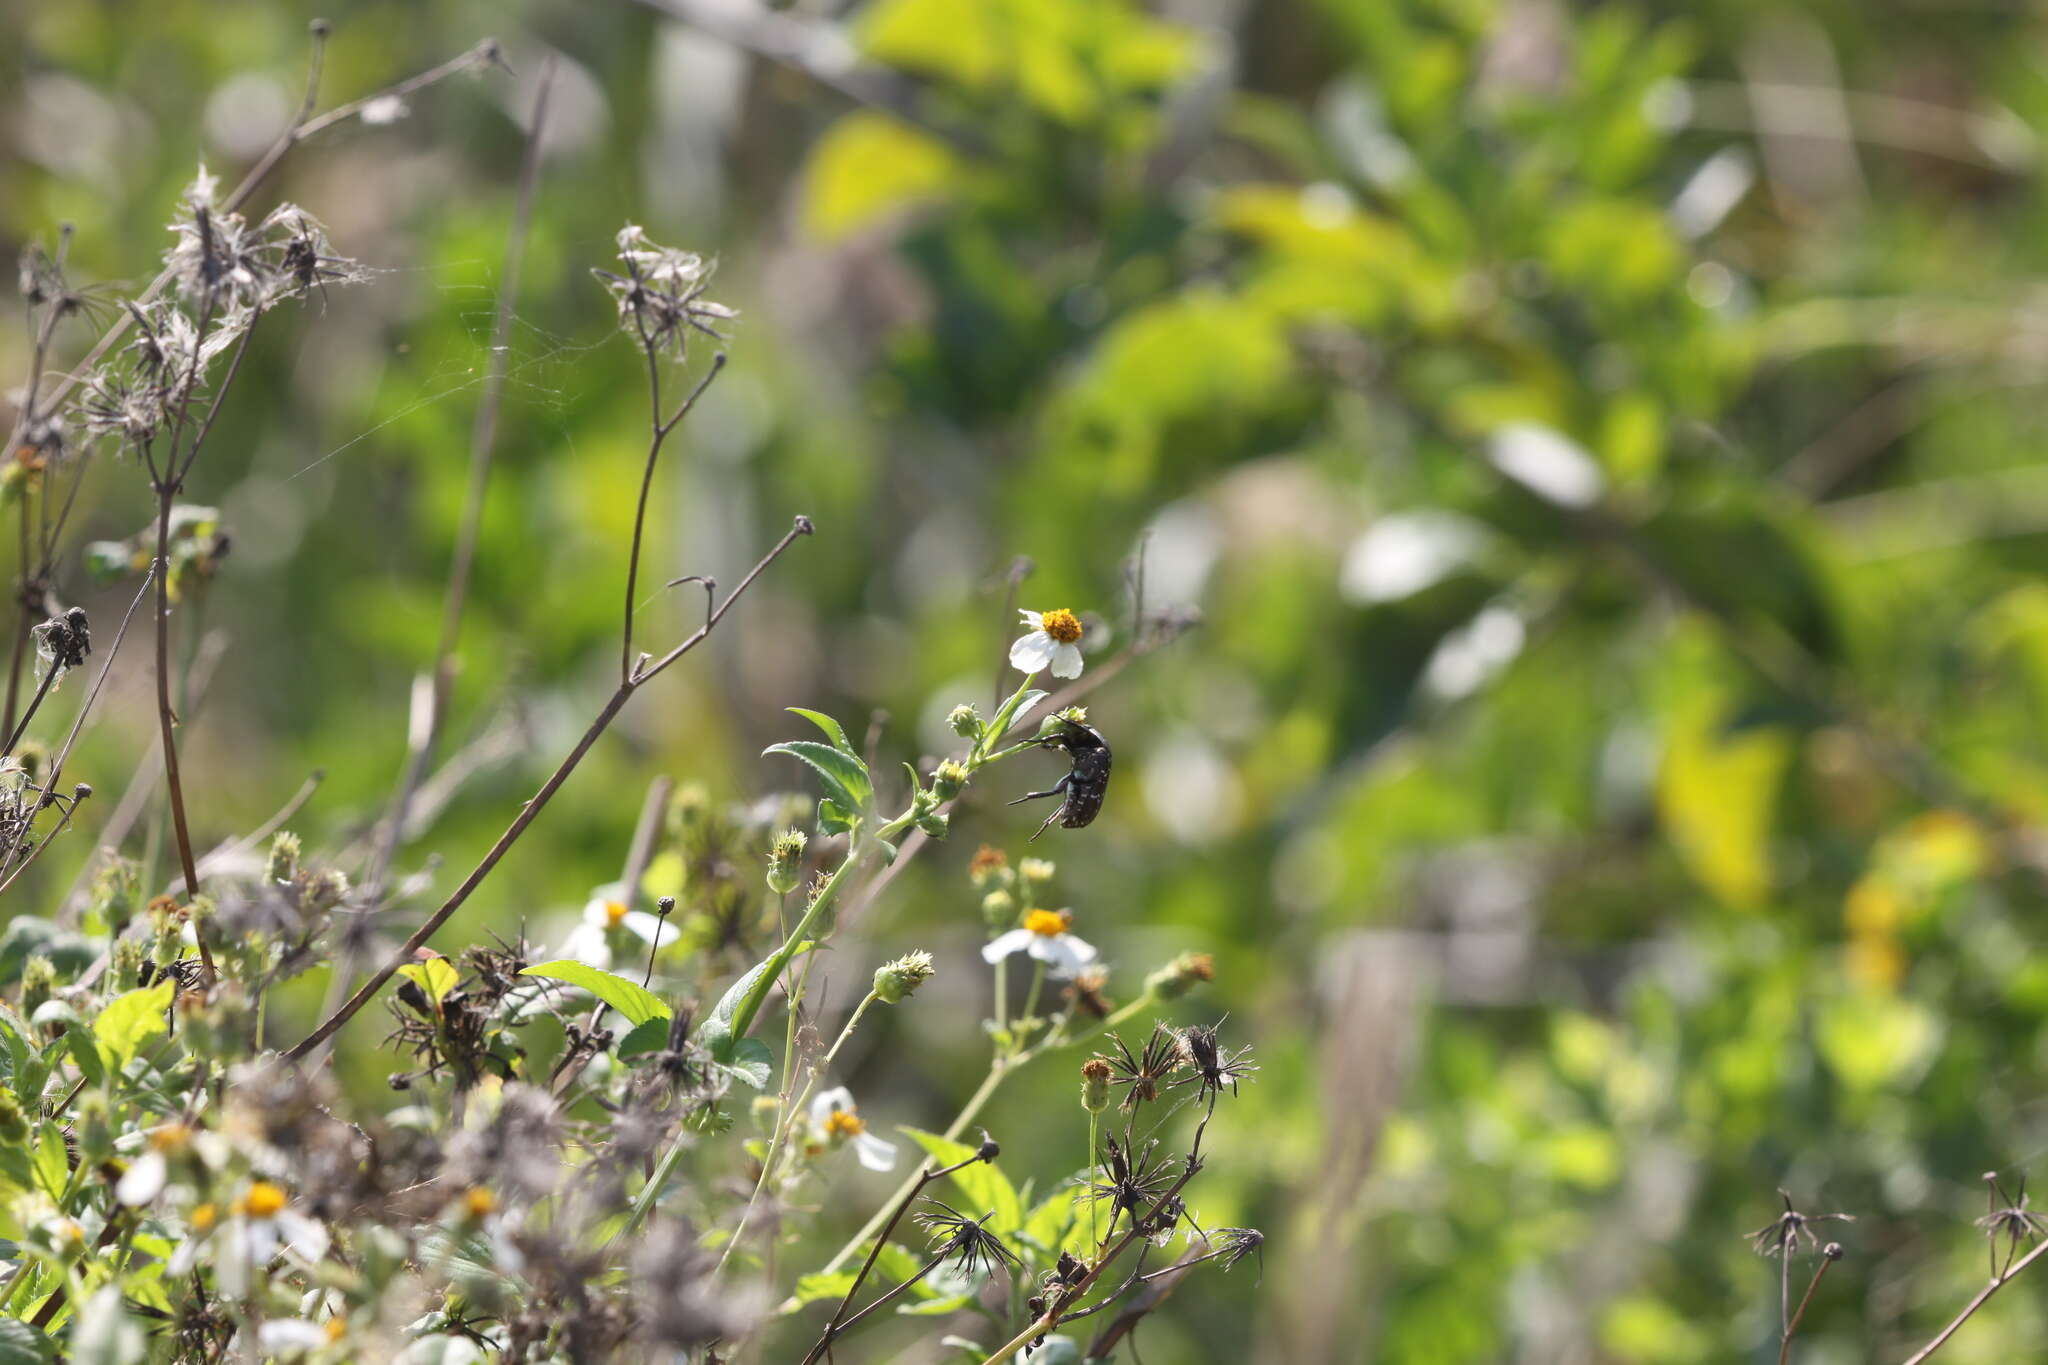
(1084,786)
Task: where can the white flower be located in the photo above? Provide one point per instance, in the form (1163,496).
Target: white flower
(832,1114)
(143,1181)
(1044,936)
(606,919)
(283,1336)
(1054,640)
(263,1224)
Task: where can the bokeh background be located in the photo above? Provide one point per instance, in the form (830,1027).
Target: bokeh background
(1601,440)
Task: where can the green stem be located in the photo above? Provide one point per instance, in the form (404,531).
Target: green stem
(998,1070)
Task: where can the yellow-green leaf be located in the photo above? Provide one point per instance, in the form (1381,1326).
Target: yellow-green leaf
(1716,796)
(866,166)
(436,976)
(130,1019)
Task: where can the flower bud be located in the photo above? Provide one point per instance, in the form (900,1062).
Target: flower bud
(284,858)
(965,721)
(325,889)
(1035,870)
(38,979)
(1181,975)
(988,864)
(895,981)
(947,781)
(1095,1074)
(13,1122)
(999,911)
(786,861)
(934,823)
(990,1149)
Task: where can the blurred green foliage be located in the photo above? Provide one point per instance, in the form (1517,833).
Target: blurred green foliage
(1601,441)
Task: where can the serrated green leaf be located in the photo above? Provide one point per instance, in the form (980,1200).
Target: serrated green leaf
(981,1185)
(131,1018)
(751,1063)
(845,777)
(629,998)
(830,726)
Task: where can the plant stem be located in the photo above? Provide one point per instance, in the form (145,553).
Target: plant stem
(1799,1315)
(536,804)
(1969,1309)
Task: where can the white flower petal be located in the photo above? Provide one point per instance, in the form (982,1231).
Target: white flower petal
(307,1237)
(1016,941)
(1066,661)
(1032,652)
(1033,620)
(258,1240)
(644,927)
(828,1102)
(291,1334)
(874,1153)
(586,944)
(144,1180)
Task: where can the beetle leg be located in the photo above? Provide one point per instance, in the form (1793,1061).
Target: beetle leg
(1048,821)
(1058,788)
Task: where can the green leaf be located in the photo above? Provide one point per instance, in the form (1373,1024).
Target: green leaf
(845,777)
(1050,1223)
(1716,795)
(811,1288)
(751,1062)
(650,1035)
(436,976)
(983,1186)
(834,818)
(21,1344)
(867,166)
(830,726)
(52,1167)
(629,998)
(717,1031)
(131,1018)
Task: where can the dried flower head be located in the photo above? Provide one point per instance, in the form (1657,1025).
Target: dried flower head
(1144,1074)
(964,1241)
(660,296)
(1784,1234)
(2009,1218)
(1211,1066)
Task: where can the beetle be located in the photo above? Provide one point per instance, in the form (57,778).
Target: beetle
(1085,784)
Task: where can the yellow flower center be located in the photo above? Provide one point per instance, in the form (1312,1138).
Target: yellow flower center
(614,913)
(264,1200)
(1048,923)
(172,1137)
(204,1217)
(337,1328)
(844,1123)
(479,1202)
(1061,624)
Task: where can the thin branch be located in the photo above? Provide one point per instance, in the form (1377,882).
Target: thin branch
(1970,1309)
(1829,1256)
(659,435)
(530,810)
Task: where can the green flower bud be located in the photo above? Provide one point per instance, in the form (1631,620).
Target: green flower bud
(934,823)
(38,979)
(94,1128)
(1095,1074)
(325,888)
(999,911)
(13,1123)
(786,861)
(1181,975)
(894,981)
(284,857)
(949,779)
(966,721)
